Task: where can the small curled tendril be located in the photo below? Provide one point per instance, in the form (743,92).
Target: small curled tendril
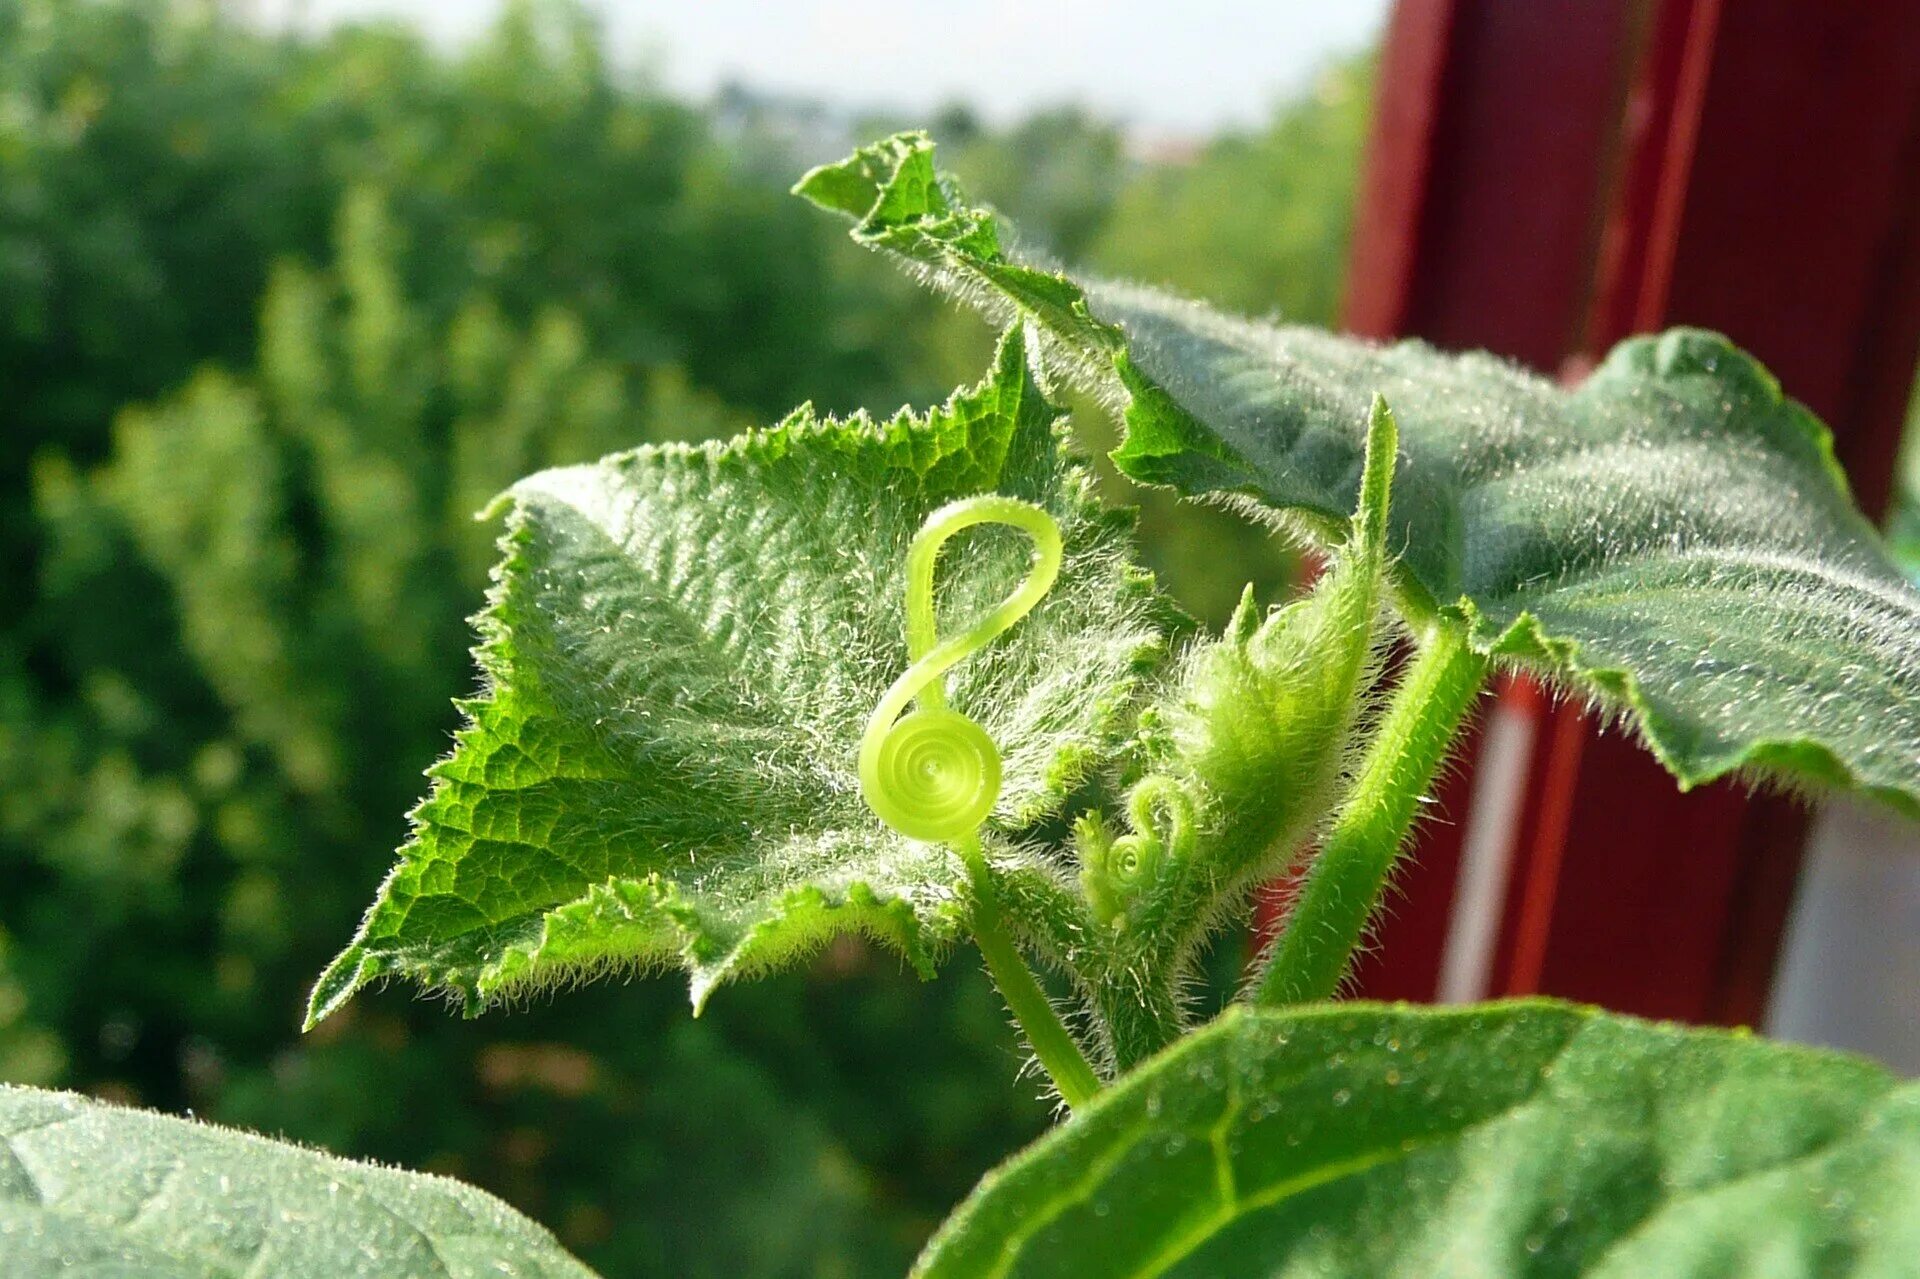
(933,774)
(1116,872)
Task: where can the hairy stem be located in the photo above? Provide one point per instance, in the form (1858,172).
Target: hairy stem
(1140,1019)
(1059,1055)
(1348,878)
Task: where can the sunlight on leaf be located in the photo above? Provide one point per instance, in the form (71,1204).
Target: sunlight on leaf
(1516,1138)
(1672,538)
(682,648)
(87,1188)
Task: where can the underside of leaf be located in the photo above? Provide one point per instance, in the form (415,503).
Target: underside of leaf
(1672,538)
(680,652)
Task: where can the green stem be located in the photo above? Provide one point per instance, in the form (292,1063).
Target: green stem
(1059,1055)
(1141,1018)
(1349,876)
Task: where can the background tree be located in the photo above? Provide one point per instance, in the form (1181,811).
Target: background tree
(277,315)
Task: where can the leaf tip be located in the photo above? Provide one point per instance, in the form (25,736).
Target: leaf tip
(342,979)
(835,188)
(493,509)
(1376,477)
(1245,622)
(854,186)
(700,988)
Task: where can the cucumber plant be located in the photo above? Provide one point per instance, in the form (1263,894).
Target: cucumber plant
(901,677)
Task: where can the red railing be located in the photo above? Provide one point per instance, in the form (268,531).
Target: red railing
(1544,180)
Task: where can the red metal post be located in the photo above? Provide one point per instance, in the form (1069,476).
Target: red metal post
(1772,191)
(1494,136)
(1544,180)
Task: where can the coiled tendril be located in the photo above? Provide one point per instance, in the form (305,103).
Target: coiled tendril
(1116,872)
(933,774)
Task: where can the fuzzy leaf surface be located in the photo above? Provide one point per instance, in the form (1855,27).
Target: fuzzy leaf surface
(681,650)
(1524,1138)
(93,1189)
(1672,537)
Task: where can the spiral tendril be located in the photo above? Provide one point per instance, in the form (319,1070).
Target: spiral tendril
(933,774)
(1117,872)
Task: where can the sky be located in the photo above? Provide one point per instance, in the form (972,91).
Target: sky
(1221,62)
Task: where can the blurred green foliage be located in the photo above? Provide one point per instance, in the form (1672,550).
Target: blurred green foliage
(277,315)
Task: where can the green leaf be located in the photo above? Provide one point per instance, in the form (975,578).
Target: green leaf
(681,650)
(1672,538)
(92,1189)
(1517,1138)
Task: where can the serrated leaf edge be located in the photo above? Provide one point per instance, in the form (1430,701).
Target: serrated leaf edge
(668,927)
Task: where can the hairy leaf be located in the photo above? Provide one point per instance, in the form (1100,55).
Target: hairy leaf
(1673,537)
(681,650)
(1526,1138)
(92,1189)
